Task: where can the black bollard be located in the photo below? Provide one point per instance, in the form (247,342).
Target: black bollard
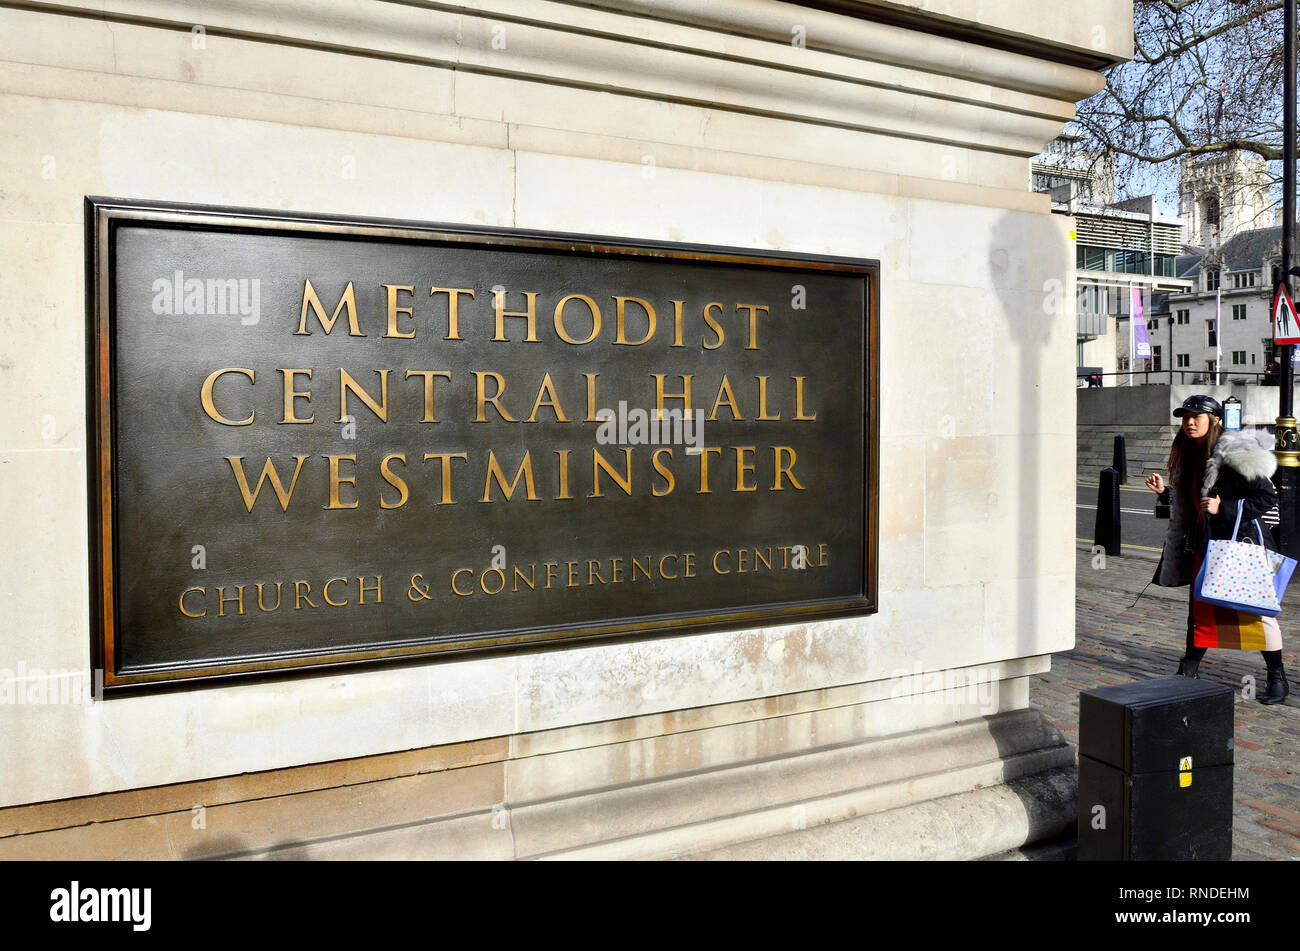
(1107,530)
(1119,460)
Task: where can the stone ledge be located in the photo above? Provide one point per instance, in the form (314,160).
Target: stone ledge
(980,823)
(837,791)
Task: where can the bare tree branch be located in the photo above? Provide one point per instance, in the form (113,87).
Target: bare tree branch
(1205,79)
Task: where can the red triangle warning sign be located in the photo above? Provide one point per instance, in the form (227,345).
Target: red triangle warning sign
(1286,324)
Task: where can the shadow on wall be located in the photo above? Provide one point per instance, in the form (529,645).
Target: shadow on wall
(1033,393)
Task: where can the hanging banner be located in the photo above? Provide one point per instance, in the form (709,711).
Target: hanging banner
(1141,342)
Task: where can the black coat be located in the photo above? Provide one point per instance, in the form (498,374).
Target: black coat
(1239,470)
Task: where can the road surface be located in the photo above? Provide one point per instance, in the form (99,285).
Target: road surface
(1141,533)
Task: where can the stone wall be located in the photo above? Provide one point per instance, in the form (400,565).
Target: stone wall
(664,120)
(1146,447)
(1143,415)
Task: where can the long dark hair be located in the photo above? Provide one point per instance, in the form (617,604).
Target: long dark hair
(1192,453)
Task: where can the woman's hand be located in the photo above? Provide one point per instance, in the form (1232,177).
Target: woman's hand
(1156,482)
(1210,505)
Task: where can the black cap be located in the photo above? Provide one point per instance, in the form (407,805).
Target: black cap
(1200,404)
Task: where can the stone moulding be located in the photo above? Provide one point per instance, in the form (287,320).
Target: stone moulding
(852,73)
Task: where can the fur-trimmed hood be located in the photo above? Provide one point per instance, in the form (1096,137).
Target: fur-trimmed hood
(1248,452)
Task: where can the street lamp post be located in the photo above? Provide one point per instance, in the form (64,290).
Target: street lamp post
(1171,349)
(1288,446)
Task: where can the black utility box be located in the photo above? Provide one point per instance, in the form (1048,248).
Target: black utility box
(1155,771)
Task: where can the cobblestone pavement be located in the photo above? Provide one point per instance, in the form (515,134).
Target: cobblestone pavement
(1116,643)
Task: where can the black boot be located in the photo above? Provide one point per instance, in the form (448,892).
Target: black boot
(1188,667)
(1277,689)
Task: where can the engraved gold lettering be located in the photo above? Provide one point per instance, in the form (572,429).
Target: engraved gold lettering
(378,589)
(598,463)
(394,311)
(564,474)
(530,315)
(396,481)
(753,322)
(268,472)
(563,332)
(663,471)
(299,597)
(181,602)
(725,397)
(798,400)
(651,321)
(453,312)
(446,458)
(310,299)
(684,395)
(482,399)
(428,389)
(677,323)
(495,473)
(743,468)
(222,600)
(778,452)
(704,469)
(206,396)
(713,325)
(348,384)
(276,606)
(762,401)
(547,390)
(291,394)
(325,593)
(337,480)
(591,397)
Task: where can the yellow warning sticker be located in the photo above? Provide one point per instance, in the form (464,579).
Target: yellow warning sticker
(1184,780)
(1185,763)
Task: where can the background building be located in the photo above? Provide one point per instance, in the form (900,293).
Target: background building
(1118,246)
(1222,195)
(1235,280)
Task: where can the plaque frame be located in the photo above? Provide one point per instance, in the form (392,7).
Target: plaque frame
(105,214)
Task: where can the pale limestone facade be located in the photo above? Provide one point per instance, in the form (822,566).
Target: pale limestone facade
(744,123)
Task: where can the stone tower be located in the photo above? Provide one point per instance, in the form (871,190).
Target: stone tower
(1221,195)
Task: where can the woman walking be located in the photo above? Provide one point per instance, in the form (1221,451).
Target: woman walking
(1214,475)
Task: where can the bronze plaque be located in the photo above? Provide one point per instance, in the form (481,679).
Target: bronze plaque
(323,441)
